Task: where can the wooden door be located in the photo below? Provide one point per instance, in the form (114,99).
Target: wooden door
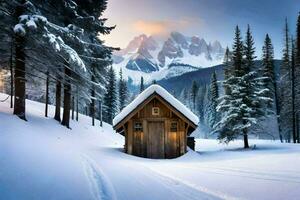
(137,143)
(156,139)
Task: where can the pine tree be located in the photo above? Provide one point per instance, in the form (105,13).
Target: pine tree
(293,95)
(142,87)
(227,63)
(227,127)
(123,91)
(268,71)
(285,89)
(20,66)
(297,79)
(110,98)
(201,102)
(194,92)
(214,96)
(241,106)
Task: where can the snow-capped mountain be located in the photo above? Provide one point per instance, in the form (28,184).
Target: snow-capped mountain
(156,59)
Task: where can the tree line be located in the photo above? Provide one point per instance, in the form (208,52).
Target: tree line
(252,90)
(58,45)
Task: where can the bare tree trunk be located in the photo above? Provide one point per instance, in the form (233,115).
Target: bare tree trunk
(73,107)
(47,95)
(57,101)
(11,75)
(92,110)
(100,113)
(246,143)
(20,79)
(77,103)
(92,105)
(67,99)
(297,128)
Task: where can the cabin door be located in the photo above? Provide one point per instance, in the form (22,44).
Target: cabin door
(156,139)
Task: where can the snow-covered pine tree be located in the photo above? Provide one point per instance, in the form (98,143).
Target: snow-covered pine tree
(142,87)
(285,89)
(96,55)
(214,96)
(268,71)
(123,91)
(229,126)
(241,106)
(194,93)
(110,98)
(20,65)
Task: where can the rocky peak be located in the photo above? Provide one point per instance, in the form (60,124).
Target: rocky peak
(180,39)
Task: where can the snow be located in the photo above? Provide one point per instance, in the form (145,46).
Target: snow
(164,94)
(31,24)
(162,73)
(19,29)
(165,71)
(40,159)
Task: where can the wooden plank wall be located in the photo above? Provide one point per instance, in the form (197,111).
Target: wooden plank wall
(145,116)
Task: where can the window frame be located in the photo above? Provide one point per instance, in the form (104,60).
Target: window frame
(174,129)
(155,109)
(138,128)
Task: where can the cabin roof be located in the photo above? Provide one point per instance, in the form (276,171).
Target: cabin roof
(165,95)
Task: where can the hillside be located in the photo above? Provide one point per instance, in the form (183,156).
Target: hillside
(202,76)
(41,159)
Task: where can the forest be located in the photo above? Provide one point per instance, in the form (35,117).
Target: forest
(54,50)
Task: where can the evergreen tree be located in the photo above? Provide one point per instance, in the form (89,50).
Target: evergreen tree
(293,66)
(214,96)
(241,106)
(268,71)
(123,91)
(285,89)
(110,98)
(226,63)
(20,65)
(194,92)
(227,128)
(297,79)
(142,87)
(201,102)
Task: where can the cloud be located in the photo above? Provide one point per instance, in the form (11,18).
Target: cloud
(164,27)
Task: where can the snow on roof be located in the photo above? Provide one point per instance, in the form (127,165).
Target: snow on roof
(165,95)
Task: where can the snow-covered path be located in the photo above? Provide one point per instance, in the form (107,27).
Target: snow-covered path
(40,159)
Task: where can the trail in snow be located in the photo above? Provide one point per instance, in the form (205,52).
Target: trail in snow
(209,194)
(99,184)
(41,159)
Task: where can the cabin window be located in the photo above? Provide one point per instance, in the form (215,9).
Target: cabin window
(155,111)
(173,127)
(138,127)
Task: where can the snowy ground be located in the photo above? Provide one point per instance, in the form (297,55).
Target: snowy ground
(40,159)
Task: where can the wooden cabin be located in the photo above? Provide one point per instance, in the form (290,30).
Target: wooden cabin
(155,125)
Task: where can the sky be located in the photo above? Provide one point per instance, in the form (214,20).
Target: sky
(209,19)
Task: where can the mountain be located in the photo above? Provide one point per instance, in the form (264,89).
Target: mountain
(157,59)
